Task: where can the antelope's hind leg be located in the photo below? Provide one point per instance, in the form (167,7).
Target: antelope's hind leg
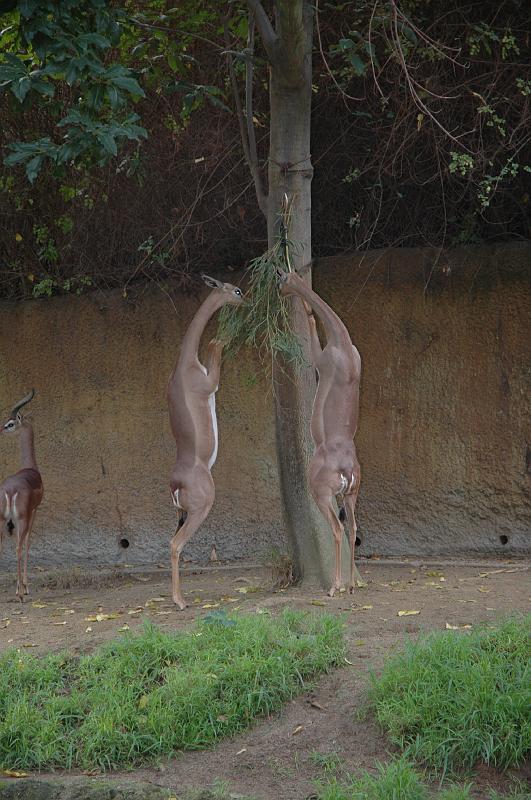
(22,532)
(349,501)
(197,500)
(325,503)
(25,583)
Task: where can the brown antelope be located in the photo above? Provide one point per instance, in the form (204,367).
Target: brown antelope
(21,494)
(334,470)
(191,401)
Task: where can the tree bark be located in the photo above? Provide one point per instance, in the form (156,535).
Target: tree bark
(290,172)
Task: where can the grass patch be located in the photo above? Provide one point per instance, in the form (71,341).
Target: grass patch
(151,694)
(398,780)
(452,701)
(394,781)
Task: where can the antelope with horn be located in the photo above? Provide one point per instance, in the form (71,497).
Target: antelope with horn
(21,493)
(191,401)
(334,471)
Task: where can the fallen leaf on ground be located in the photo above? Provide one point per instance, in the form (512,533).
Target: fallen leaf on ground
(125,627)
(296,730)
(483,589)
(210,605)
(407,613)
(450,627)
(14,773)
(36,604)
(30,644)
(59,623)
(359,642)
(102,617)
(361,584)
(315,704)
(5,623)
(88,630)
(318,603)
(496,572)
(433,573)
(135,611)
(243,750)
(142,703)
(350,663)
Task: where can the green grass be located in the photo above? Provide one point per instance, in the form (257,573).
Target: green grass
(394,781)
(148,695)
(452,701)
(398,780)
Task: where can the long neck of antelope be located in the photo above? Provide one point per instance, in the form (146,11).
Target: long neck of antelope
(27,450)
(192,339)
(334,327)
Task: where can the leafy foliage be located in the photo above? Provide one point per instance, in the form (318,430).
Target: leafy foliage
(419,136)
(151,694)
(263,322)
(56,51)
(452,700)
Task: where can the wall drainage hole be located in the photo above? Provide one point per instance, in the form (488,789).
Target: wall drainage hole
(504,539)
(124,543)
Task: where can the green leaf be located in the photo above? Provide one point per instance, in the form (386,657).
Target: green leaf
(109,145)
(33,167)
(409,34)
(130,85)
(359,67)
(20,88)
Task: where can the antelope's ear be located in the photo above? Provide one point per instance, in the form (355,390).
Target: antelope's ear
(304,269)
(212,282)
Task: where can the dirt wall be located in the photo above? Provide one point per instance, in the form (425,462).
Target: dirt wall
(444,426)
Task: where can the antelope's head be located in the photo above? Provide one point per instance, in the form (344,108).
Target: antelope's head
(231,294)
(287,282)
(15,420)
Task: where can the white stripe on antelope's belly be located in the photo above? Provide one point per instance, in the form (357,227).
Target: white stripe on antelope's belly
(212,406)
(7,510)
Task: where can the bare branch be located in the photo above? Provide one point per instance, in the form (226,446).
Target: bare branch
(246,126)
(265,28)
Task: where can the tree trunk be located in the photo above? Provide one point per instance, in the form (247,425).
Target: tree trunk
(290,173)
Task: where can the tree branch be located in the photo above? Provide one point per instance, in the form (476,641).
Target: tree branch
(265,28)
(246,126)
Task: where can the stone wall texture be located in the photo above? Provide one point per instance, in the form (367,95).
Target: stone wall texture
(444,437)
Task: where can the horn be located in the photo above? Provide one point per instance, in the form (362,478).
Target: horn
(212,282)
(22,403)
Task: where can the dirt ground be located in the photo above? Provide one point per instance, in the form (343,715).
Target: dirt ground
(276,758)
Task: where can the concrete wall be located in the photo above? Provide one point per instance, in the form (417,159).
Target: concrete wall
(445,414)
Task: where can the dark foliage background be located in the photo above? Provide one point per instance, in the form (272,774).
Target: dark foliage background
(420,136)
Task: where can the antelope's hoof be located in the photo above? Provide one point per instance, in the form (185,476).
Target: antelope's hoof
(179,602)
